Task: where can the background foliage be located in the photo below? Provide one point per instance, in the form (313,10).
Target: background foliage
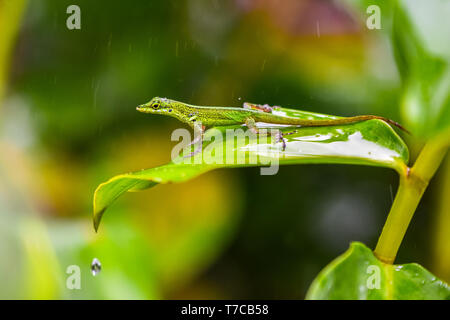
(68,122)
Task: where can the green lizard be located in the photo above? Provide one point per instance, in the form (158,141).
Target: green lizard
(202,117)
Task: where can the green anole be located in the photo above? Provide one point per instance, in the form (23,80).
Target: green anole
(202,117)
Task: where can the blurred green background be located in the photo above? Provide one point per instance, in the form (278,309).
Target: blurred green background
(68,122)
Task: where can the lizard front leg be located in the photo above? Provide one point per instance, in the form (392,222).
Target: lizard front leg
(251,125)
(199,130)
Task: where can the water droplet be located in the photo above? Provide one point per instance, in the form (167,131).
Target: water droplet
(96,267)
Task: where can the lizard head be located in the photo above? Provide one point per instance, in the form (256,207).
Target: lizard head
(156,105)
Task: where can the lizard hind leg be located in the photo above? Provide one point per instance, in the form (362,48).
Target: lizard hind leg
(258,107)
(251,125)
(280,138)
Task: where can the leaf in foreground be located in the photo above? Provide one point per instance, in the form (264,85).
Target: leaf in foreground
(371,143)
(358,274)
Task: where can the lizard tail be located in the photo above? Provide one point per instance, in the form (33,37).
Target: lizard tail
(398,125)
(365,118)
(357,119)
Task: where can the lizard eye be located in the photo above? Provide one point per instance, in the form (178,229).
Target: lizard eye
(155,105)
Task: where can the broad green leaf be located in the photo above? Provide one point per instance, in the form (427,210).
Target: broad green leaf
(420,36)
(358,274)
(371,143)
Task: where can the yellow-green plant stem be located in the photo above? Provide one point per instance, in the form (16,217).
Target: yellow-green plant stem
(441,234)
(413,183)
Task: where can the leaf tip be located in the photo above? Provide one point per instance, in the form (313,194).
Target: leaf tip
(96,219)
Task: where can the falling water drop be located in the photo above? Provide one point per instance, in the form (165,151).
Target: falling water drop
(96,267)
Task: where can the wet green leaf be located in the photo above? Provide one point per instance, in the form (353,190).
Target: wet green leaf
(368,143)
(358,274)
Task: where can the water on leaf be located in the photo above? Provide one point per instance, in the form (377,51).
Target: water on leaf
(96,267)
